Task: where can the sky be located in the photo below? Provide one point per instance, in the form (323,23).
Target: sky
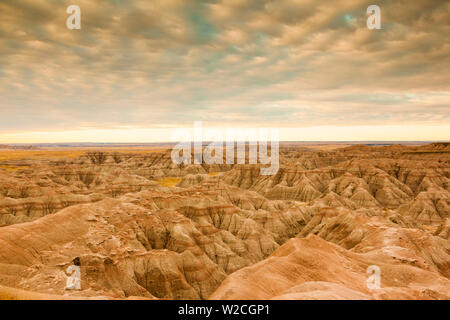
(139,69)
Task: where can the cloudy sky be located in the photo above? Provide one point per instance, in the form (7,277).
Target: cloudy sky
(139,68)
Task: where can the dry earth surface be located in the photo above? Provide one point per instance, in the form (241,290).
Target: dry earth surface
(145,228)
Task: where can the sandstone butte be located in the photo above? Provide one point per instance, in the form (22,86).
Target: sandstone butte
(144,228)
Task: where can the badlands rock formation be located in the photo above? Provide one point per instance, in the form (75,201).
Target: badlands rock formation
(143,227)
(302,269)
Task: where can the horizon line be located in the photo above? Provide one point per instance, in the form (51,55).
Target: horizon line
(172,142)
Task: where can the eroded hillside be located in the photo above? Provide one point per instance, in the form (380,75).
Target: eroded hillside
(142,226)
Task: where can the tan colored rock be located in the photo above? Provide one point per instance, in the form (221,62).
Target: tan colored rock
(312,268)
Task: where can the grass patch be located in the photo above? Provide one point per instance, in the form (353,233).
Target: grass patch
(37,154)
(11,155)
(168,182)
(12,168)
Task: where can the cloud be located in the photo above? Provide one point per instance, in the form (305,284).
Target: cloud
(285,63)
